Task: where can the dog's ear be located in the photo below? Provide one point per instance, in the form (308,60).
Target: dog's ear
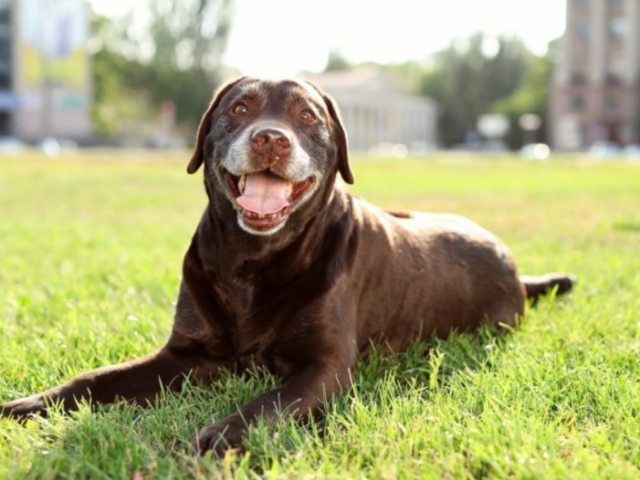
(340,136)
(205,126)
(341,140)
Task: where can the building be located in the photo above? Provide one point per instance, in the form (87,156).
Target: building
(45,84)
(378,112)
(595,91)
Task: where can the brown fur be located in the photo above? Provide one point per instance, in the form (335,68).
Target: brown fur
(305,301)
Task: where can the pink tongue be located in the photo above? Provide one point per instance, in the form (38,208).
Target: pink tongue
(264,193)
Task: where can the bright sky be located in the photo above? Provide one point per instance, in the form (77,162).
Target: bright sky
(283,37)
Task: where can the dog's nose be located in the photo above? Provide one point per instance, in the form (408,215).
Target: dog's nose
(270,140)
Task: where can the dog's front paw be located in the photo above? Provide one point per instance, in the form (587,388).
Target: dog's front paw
(23,408)
(221,437)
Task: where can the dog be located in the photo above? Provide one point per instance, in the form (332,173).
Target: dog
(290,272)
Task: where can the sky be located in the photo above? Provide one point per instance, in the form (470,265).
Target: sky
(278,38)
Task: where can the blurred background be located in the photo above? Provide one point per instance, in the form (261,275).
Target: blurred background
(410,77)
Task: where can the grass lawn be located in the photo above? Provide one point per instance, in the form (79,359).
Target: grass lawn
(91,247)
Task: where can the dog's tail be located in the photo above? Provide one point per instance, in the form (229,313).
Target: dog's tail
(536,287)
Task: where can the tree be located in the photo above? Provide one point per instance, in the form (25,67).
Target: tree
(189,39)
(336,61)
(532,96)
(113,97)
(468,77)
(176,57)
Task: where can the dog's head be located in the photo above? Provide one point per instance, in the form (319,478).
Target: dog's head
(270,147)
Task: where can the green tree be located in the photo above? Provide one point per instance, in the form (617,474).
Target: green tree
(532,96)
(189,38)
(468,77)
(113,99)
(336,61)
(177,57)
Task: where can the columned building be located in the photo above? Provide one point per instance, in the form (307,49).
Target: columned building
(378,112)
(45,84)
(595,91)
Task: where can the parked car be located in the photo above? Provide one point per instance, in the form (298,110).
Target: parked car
(604,149)
(535,151)
(52,147)
(631,152)
(10,145)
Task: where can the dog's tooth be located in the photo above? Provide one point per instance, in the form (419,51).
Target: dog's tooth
(242,183)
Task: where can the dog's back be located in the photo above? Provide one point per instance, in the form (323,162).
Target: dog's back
(422,274)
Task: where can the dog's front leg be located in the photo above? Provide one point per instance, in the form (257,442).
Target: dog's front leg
(137,381)
(301,395)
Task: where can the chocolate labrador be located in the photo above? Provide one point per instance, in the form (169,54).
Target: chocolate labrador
(288,271)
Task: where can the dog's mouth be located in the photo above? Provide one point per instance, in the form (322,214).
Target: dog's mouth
(264,198)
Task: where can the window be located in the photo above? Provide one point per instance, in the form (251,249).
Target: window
(616,64)
(5,11)
(577,103)
(5,46)
(612,102)
(619,28)
(584,30)
(5,82)
(5,124)
(578,78)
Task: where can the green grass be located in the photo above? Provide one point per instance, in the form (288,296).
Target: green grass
(90,258)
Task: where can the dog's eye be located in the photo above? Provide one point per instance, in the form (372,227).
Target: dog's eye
(240,109)
(307,116)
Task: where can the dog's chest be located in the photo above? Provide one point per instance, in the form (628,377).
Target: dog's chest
(258,348)
(263,357)
(257,324)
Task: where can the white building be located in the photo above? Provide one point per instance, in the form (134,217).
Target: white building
(378,111)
